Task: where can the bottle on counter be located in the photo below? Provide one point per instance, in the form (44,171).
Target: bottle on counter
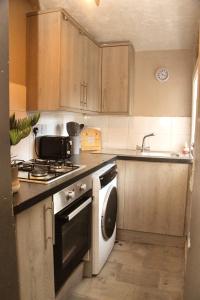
(186,149)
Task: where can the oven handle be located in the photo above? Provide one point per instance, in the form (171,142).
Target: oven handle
(78,210)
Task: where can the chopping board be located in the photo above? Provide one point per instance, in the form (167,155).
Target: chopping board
(90,139)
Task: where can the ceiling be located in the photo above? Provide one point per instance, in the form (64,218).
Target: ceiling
(148,24)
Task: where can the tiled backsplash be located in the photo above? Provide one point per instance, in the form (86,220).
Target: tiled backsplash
(126,132)
(117,132)
(52,123)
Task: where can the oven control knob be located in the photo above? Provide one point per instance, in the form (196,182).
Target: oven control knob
(83,187)
(69,195)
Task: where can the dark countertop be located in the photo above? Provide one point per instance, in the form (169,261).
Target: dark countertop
(158,156)
(32,193)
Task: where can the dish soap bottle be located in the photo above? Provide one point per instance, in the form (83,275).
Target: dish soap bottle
(186,149)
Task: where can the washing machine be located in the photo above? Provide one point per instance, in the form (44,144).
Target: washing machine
(104,215)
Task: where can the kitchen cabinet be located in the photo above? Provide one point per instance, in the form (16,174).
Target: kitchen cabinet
(35,251)
(92,76)
(121,168)
(71,65)
(64,64)
(153,196)
(117,78)
(43,61)
(80,70)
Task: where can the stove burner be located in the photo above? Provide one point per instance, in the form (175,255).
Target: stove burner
(45,171)
(39,173)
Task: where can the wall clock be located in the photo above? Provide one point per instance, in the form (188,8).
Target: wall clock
(162,74)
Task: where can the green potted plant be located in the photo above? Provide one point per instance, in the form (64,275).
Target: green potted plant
(19,129)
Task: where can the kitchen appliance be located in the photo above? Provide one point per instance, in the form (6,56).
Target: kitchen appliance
(53,147)
(73,212)
(45,171)
(91,139)
(74,129)
(104,215)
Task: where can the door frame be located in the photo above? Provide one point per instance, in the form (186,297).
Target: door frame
(8,257)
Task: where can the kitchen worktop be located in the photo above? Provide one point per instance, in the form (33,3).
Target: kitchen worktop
(31,193)
(158,156)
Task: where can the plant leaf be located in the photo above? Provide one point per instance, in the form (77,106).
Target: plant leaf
(21,128)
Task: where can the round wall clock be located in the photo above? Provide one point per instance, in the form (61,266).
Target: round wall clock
(162,74)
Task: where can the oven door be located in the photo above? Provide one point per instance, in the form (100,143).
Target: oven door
(72,237)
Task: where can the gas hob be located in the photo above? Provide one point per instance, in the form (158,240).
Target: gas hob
(45,171)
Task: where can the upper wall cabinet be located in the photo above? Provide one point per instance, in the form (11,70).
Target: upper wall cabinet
(117,78)
(63,65)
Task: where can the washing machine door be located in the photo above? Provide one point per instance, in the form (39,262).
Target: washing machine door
(109,213)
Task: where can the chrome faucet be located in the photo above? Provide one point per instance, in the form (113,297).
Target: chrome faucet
(144,139)
(143,148)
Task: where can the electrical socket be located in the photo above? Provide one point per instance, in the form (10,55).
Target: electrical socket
(42,129)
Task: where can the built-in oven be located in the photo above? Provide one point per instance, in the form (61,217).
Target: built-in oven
(73,211)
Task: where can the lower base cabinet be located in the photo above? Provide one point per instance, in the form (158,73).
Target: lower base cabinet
(152,197)
(35,252)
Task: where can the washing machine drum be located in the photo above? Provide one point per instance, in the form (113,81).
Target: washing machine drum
(109,213)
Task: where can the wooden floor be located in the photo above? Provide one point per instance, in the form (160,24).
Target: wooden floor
(136,272)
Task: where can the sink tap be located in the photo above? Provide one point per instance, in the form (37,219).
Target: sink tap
(144,139)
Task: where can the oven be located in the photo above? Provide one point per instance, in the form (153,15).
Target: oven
(73,211)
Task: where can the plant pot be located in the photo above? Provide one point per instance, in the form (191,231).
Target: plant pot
(15,179)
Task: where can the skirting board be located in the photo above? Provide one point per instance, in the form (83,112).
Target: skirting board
(150,238)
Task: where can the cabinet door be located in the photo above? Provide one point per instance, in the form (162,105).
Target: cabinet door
(71,66)
(92,76)
(115,79)
(155,197)
(35,252)
(121,185)
(43,61)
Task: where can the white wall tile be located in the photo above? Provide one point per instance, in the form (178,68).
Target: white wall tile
(117,131)
(127,132)
(178,141)
(52,123)
(181,125)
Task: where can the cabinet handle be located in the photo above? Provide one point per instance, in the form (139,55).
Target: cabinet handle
(81,93)
(53,224)
(48,230)
(65,17)
(85,94)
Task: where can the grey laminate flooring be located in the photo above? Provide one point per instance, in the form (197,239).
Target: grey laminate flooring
(136,272)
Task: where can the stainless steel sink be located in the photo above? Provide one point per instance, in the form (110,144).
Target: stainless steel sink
(158,154)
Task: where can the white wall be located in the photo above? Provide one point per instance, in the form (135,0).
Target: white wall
(127,132)
(172,98)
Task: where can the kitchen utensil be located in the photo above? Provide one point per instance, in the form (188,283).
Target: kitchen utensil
(74,128)
(90,139)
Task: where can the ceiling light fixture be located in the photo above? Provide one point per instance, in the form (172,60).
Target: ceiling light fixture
(97,2)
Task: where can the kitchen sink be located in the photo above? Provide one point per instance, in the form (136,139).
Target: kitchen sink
(159,154)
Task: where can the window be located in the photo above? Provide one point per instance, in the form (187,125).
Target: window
(194,102)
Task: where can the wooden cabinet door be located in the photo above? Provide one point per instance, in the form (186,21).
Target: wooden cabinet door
(71,66)
(35,252)
(155,197)
(43,61)
(115,79)
(92,75)
(121,185)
